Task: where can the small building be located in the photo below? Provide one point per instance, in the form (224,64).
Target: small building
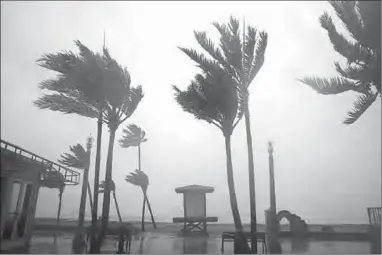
(195,208)
(22,175)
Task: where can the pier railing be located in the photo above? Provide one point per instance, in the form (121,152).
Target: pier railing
(71,177)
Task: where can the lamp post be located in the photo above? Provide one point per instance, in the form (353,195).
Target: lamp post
(272,227)
(272,178)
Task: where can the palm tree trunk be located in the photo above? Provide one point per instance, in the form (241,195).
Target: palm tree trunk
(108,179)
(251,172)
(90,197)
(117,207)
(59,206)
(143,214)
(149,206)
(144,200)
(61,190)
(94,248)
(81,214)
(240,242)
(139,157)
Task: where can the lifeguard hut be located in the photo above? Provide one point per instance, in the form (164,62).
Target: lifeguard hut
(195,208)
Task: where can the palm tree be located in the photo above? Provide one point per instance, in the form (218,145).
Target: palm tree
(242,59)
(55,180)
(139,178)
(123,101)
(134,136)
(80,158)
(78,88)
(102,187)
(94,86)
(362,73)
(213,97)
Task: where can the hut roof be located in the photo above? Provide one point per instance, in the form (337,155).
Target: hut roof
(199,188)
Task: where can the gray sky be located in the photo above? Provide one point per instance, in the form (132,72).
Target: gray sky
(326,172)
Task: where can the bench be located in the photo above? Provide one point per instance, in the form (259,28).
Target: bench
(230,237)
(194,223)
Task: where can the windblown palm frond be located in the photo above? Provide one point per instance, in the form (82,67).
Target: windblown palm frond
(66,104)
(240,59)
(360,106)
(130,103)
(331,86)
(138,178)
(77,159)
(212,98)
(132,136)
(362,19)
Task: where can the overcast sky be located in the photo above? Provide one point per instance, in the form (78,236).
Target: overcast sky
(326,172)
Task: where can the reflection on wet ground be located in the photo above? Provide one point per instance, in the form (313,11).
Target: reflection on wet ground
(157,243)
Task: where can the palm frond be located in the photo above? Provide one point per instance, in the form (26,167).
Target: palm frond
(231,43)
(208,45)
(362,103)
(66,104)
(347,12)
(258,61)
(60,84)
(358,73)
(77,159)
(211,97)
(132,136)
(138,178)
(131,102)
(61,62)
(204,63)
(353,52)
(248,51)
(339,42)
(330,86)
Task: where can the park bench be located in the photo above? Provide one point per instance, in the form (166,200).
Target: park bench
(230,237)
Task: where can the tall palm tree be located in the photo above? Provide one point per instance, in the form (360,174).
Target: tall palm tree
(95,86)
(362,73)
(80,158)
(112,188)
(134,136)
(140,179)
(123,102)
(241,56)
(213,97)
(78,88)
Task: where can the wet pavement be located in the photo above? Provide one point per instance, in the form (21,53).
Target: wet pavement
(161,243)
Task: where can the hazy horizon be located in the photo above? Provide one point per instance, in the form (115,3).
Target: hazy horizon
(326,172)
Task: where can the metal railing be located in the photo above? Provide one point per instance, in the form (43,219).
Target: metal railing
(71,177)
(374,215)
